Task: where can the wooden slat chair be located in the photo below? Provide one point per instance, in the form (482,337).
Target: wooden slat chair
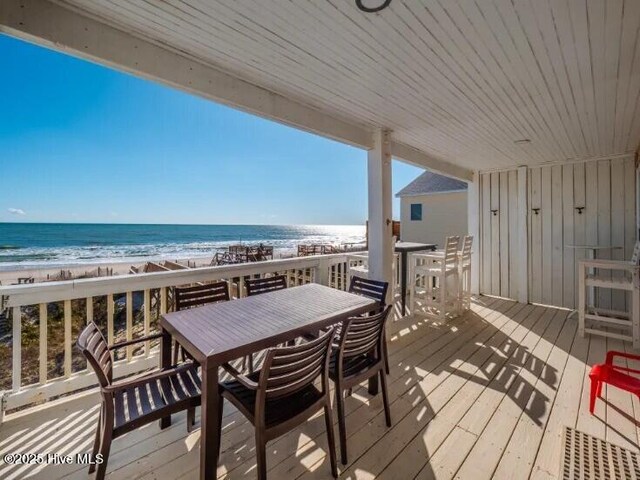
(440,269)
(256,286)
(377,291)
(283,394)
(357,357)
(615,275)
(197,296)
(465,272)
(132,403)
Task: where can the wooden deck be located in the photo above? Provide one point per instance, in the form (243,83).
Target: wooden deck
(484,396)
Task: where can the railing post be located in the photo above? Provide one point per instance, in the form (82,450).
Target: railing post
(43,343)
(67,338)
(321,272)
(17,349)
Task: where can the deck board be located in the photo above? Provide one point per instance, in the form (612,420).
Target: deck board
(483,396)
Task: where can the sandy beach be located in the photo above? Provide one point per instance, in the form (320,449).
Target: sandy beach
(89,269)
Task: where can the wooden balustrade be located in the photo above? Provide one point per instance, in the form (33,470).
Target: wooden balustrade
(155,287)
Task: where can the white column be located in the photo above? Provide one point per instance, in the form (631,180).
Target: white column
(380,208)
(473,220)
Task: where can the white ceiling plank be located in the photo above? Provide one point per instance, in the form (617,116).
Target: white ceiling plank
(564,32)
(629,37)
(458,81)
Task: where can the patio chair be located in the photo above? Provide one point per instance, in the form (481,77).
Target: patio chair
(358,357)
(256,286)
(615,375)
(283,394)
(129,404)
(465,272)
(439,269)
(615,275)
(197,296)
(378,292)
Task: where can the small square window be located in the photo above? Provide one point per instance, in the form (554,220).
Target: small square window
(416,211)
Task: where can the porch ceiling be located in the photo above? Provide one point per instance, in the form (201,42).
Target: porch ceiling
(458,80)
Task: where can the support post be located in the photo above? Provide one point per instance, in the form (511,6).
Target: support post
(473,220)
(380,205)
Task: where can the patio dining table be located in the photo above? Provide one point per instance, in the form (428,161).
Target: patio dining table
(217,333)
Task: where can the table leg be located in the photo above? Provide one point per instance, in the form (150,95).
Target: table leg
(403,282)
(210,424)
(165,362)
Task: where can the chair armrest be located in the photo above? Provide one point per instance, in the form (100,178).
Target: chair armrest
(613,353)
(250,384)
(609,264)
(135,340)
(158,375)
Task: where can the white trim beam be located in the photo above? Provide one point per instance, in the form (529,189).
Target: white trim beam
(411,155)
(51,25)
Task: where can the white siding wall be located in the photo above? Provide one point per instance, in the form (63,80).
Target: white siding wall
(606,192)
(443,214)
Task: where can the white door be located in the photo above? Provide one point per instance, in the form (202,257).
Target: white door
(589,203)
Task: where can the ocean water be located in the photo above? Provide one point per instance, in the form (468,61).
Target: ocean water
(35,245)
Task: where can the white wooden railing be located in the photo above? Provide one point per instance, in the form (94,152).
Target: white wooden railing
(325,269)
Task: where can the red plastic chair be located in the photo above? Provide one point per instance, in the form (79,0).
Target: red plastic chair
(613,375)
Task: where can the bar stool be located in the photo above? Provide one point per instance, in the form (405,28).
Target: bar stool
(465,273)
(441,287)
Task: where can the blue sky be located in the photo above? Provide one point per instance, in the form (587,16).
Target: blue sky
(83,143)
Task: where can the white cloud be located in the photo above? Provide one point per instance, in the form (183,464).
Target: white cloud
(16,211)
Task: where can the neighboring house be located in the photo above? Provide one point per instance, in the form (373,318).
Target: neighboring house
(433,207)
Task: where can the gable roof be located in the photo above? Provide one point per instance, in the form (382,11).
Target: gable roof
(430,182)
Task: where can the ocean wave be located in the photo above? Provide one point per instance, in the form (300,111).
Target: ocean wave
(9,247)
(282,239)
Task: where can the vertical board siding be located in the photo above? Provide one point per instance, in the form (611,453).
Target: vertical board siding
(557,236)
(617,225)
(495,234)
(535,235)
(630,199)
(604,225)
(568,233)
(486,233)
(587,203)
(514,248)
(546,217)
(579,219)
(503,215)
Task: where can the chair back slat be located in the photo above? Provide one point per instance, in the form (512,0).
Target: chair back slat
(373,289)
(257,286)
(451,251)
(635,257)
(95,349)
(198,295)
(288,370)
(363,334)
(467,243)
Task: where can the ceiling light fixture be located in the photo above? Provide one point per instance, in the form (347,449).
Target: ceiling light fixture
(382,6)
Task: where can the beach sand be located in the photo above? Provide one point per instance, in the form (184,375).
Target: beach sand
(123,267)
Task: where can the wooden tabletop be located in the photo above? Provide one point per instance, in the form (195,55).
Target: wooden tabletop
(413,246)
(217,333)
